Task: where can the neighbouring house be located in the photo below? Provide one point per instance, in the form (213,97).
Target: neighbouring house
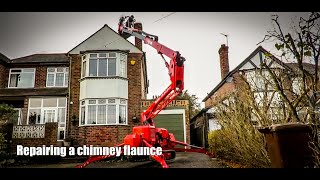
(89,95)
(205,121)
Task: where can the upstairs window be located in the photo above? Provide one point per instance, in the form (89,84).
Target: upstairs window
(21,78)
(57,77)
(104,65)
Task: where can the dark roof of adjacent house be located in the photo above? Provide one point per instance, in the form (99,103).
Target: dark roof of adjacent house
(199,113)
(4,58)
(306,66)
(42,58)
(236,69)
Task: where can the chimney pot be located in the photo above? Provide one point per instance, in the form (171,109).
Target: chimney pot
(224,60)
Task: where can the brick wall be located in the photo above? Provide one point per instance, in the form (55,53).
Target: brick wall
(221,93)
(41,76)
(134,86)
(4,75)
(102,135)
(75,72)
(49,139)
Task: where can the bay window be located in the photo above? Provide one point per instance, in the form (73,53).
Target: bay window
(104,64)
(103,112)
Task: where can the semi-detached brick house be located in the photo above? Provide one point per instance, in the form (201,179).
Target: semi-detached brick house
(91,93)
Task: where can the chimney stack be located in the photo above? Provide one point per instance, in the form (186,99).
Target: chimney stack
(137,41)
(224,60)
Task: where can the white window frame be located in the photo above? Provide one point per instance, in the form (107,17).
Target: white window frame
(56,108)
(65,76)
(117,104)
(34,76)
(118,56)
(296,85)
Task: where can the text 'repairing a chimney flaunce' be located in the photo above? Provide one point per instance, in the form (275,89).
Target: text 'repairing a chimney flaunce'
(224,60)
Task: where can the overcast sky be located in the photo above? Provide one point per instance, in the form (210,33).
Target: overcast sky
(197,36)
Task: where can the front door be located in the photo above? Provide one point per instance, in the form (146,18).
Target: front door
(17,116)
(56,115)
(49,115)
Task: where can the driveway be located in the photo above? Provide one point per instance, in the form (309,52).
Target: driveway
(182,160)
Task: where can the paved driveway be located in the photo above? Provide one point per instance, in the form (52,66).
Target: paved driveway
(182,160)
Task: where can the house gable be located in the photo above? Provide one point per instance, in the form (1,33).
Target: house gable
(254,60)
(105,39)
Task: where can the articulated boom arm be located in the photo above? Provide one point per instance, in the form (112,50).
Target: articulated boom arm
(175,68)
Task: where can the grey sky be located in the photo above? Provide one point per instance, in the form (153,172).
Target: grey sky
(195,35)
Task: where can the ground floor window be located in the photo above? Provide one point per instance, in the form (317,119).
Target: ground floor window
(50,109)
(103,112)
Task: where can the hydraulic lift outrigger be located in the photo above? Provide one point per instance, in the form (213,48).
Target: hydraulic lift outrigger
(147,135)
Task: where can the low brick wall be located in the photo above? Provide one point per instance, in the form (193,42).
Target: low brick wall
(50,138)
(102,135)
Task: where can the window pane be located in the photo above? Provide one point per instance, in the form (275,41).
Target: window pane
(91,114)
(122,114)
(62,102)
(60,69)
(34,116)
(92,101)
(123,68)
(122,57)
(61,115)
(49,116)
(111,100)
(101,101)
(83,68)
(50,80)
(103,67)
(14,80)
(93,55)
(112,54)
(51,69)
(102,55)
(123,101)
(66,69)
(101,119)
(35,102)
(59,79)
(111,114)
(16,70)
(50,102)
(83,116)
(93,67)
(112,67)
(66,79)
(28,70)
(26,80)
